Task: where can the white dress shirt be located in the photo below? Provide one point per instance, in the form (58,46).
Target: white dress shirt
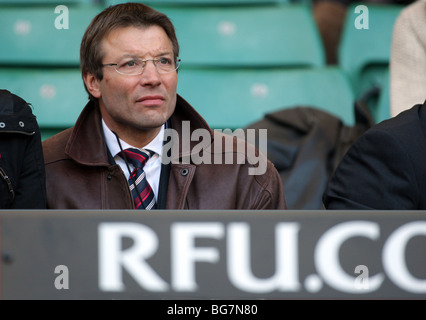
(153,166)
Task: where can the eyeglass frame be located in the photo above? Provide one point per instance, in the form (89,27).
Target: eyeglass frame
(154,61)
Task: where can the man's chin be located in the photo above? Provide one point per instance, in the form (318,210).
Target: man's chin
(150,124)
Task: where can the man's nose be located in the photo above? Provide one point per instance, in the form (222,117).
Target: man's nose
(150,74)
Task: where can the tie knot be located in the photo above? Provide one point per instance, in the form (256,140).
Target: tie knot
(137,157)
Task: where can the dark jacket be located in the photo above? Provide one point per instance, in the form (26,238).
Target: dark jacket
(22,173)
(81,175)
(305,144)
(386,167)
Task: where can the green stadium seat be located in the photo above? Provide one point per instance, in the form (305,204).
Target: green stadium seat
(57,96)
(364,53)
(29,36)
(235,98)
(247,36)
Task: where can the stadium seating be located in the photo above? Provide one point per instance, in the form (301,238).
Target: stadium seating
(364,53)
(56,95)
(267,36)
(235,98)
(30,37)
(40,62)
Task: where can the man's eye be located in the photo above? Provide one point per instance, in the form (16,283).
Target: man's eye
(129,64)
(165,61)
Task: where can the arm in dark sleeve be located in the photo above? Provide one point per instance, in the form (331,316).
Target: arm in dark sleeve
(31,189)
(376,173)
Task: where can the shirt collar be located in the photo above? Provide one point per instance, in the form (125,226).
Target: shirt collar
(155,145)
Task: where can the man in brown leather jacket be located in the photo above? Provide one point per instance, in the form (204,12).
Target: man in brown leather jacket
(129,61)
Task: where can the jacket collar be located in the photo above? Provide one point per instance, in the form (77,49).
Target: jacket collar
(87,144)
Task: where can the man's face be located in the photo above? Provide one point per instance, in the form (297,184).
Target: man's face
(132,103)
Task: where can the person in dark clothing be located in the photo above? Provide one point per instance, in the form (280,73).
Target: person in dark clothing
(385,168)
(22,172)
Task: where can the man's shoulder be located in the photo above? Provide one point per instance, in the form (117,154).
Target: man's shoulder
(54,147)
(407,126)
(238,137)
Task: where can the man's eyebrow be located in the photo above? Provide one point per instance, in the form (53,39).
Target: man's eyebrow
(165,53)
(128,55)
(133,56)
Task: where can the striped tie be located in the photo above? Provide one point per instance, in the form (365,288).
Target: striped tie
(142,190)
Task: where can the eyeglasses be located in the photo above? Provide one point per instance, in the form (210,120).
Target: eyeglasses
(135,66)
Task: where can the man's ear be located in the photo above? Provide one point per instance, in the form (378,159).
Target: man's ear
(92,84)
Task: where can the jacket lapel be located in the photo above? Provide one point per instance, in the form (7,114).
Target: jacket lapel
(87,144)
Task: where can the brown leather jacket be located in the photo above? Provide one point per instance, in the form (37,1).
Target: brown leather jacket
(80,174)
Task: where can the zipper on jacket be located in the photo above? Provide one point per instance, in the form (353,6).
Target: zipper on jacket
(9,183)
(21,132)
